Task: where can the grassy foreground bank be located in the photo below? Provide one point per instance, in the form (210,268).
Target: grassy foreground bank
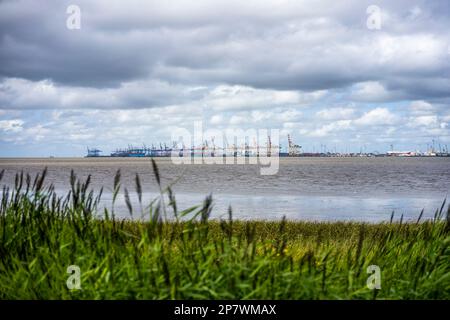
(192,257)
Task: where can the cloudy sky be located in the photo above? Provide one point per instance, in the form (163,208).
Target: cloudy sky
(137,70)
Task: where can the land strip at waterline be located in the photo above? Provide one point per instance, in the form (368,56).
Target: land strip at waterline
(54,247)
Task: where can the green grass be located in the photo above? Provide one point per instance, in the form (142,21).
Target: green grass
(192,257)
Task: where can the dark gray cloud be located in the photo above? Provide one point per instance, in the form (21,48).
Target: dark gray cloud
(287,45)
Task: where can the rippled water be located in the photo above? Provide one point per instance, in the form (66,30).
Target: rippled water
(366,189)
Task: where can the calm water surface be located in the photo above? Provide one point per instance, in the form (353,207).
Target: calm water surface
(363,189)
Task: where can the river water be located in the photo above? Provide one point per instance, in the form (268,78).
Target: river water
(362,189)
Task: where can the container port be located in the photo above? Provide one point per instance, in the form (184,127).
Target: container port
(210,149)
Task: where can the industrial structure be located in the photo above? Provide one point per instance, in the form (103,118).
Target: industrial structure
(93,152)
(209,149)
(206,149)
(294,150)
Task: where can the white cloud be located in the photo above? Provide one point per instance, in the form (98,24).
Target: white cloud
(333,127)
(378,116)
(336,113)
(370,91)
(216,119)
(240,98)
(37,133)
(15,125)
(237,120)
(410,53)
(25,94)
(371,119)
(421,107)
(289,115)
(425,121)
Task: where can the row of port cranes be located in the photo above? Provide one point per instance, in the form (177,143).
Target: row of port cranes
(206,149)
(211,149)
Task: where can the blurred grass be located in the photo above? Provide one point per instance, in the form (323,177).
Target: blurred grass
(192,257)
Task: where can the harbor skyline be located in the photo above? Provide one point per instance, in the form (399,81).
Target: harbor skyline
(291,149)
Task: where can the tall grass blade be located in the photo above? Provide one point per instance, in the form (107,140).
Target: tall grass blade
(156,172)
(138,188)
(128,202)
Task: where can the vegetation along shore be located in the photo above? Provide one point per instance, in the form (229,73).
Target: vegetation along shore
(44,237)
